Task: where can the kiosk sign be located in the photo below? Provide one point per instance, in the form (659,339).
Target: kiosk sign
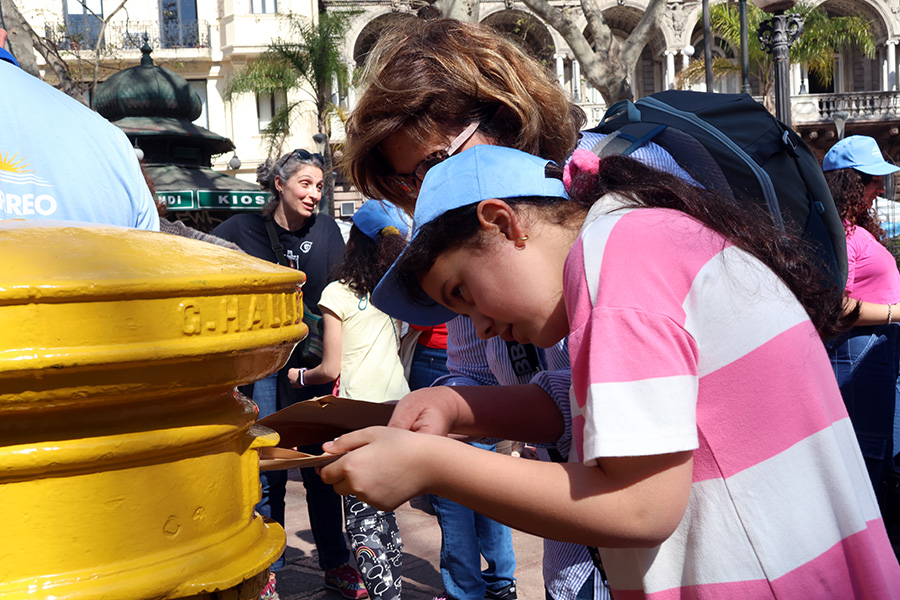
(180,200)
(231,200)
(213,199)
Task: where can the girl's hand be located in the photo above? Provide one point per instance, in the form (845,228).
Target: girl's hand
(294,377)
(429,410)
(387,466)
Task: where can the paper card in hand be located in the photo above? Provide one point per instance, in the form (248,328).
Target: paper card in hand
(277,459)
(323,419)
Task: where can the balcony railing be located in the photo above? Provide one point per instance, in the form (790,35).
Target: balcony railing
(816,108)
(861,106)
(129,35)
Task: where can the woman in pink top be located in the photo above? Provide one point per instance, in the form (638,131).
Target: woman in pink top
(866,359)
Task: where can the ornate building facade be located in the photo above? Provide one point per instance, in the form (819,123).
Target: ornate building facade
(206,41)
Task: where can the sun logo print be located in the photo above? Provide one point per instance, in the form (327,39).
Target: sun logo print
(15,170)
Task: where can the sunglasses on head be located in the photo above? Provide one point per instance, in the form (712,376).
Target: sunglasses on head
(302,155)
(410,183)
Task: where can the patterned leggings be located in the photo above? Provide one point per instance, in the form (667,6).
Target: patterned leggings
(376,543)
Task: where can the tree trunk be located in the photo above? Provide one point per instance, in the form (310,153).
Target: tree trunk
(467,11)
(25,50)
(607,63)
(20,43)
(326,204)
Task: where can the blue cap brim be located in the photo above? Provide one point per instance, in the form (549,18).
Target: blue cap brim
(884,168)
(479,173)
(390,298)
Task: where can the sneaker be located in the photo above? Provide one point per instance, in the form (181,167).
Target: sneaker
(268,592)
(507,593)
(346,581)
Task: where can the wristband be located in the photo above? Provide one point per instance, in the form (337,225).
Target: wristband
(890,310)
(300,376)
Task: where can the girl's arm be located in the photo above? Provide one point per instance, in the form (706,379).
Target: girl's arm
(873,314)
(623,502)
(516,412)
(330,367)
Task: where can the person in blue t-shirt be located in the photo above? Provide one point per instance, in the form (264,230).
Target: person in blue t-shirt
(61,161)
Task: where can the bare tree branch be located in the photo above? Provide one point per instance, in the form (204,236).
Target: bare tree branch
(20,39)
(640,35)
(47,50)
(99,44)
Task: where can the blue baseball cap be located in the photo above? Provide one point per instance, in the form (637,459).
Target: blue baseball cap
(479,173)
(374,215)
(858,152)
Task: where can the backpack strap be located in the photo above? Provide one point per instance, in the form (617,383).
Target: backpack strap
(611,145)
(627,139)
(277,246)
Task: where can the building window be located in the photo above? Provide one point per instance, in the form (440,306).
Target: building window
(83,21)
(264,7)
(178,27)
(266,107)
(199,86)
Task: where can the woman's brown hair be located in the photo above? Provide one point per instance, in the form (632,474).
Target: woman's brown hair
(848,188)
(432,78)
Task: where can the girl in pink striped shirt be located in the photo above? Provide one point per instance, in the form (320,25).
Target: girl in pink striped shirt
(712,454)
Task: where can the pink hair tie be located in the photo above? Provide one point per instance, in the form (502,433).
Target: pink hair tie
(580,173)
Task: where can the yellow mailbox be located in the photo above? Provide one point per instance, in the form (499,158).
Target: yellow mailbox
(128,466)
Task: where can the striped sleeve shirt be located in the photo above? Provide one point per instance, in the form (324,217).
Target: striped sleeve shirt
(679,341)
(472,361)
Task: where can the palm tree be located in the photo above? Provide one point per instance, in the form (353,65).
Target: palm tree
(308,62)
(822,38)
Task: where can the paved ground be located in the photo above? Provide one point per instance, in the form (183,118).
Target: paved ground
(302,579)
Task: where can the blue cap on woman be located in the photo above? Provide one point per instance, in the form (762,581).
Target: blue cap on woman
(375,215)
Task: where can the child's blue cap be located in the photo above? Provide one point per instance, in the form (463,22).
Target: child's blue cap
(375,215)
(479,173)
(858,152)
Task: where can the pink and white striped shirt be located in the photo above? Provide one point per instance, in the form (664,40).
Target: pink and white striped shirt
(680,341)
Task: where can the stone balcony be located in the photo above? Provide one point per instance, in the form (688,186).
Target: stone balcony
(125,36)
(811,110)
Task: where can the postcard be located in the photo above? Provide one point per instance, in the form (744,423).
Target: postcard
(324,418)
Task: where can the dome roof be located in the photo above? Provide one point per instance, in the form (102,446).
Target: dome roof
(147,90)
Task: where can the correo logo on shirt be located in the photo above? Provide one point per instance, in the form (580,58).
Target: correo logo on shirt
(14,172)
(305,247)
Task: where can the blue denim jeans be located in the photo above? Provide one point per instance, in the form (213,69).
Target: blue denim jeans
(326,515)
(866,362)
(427,365)
(466,537)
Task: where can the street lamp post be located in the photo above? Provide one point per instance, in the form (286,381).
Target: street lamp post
(326,203)
(745,49)
(707,46)
(776,36)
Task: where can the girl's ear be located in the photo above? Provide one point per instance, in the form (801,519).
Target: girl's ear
(499,217)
